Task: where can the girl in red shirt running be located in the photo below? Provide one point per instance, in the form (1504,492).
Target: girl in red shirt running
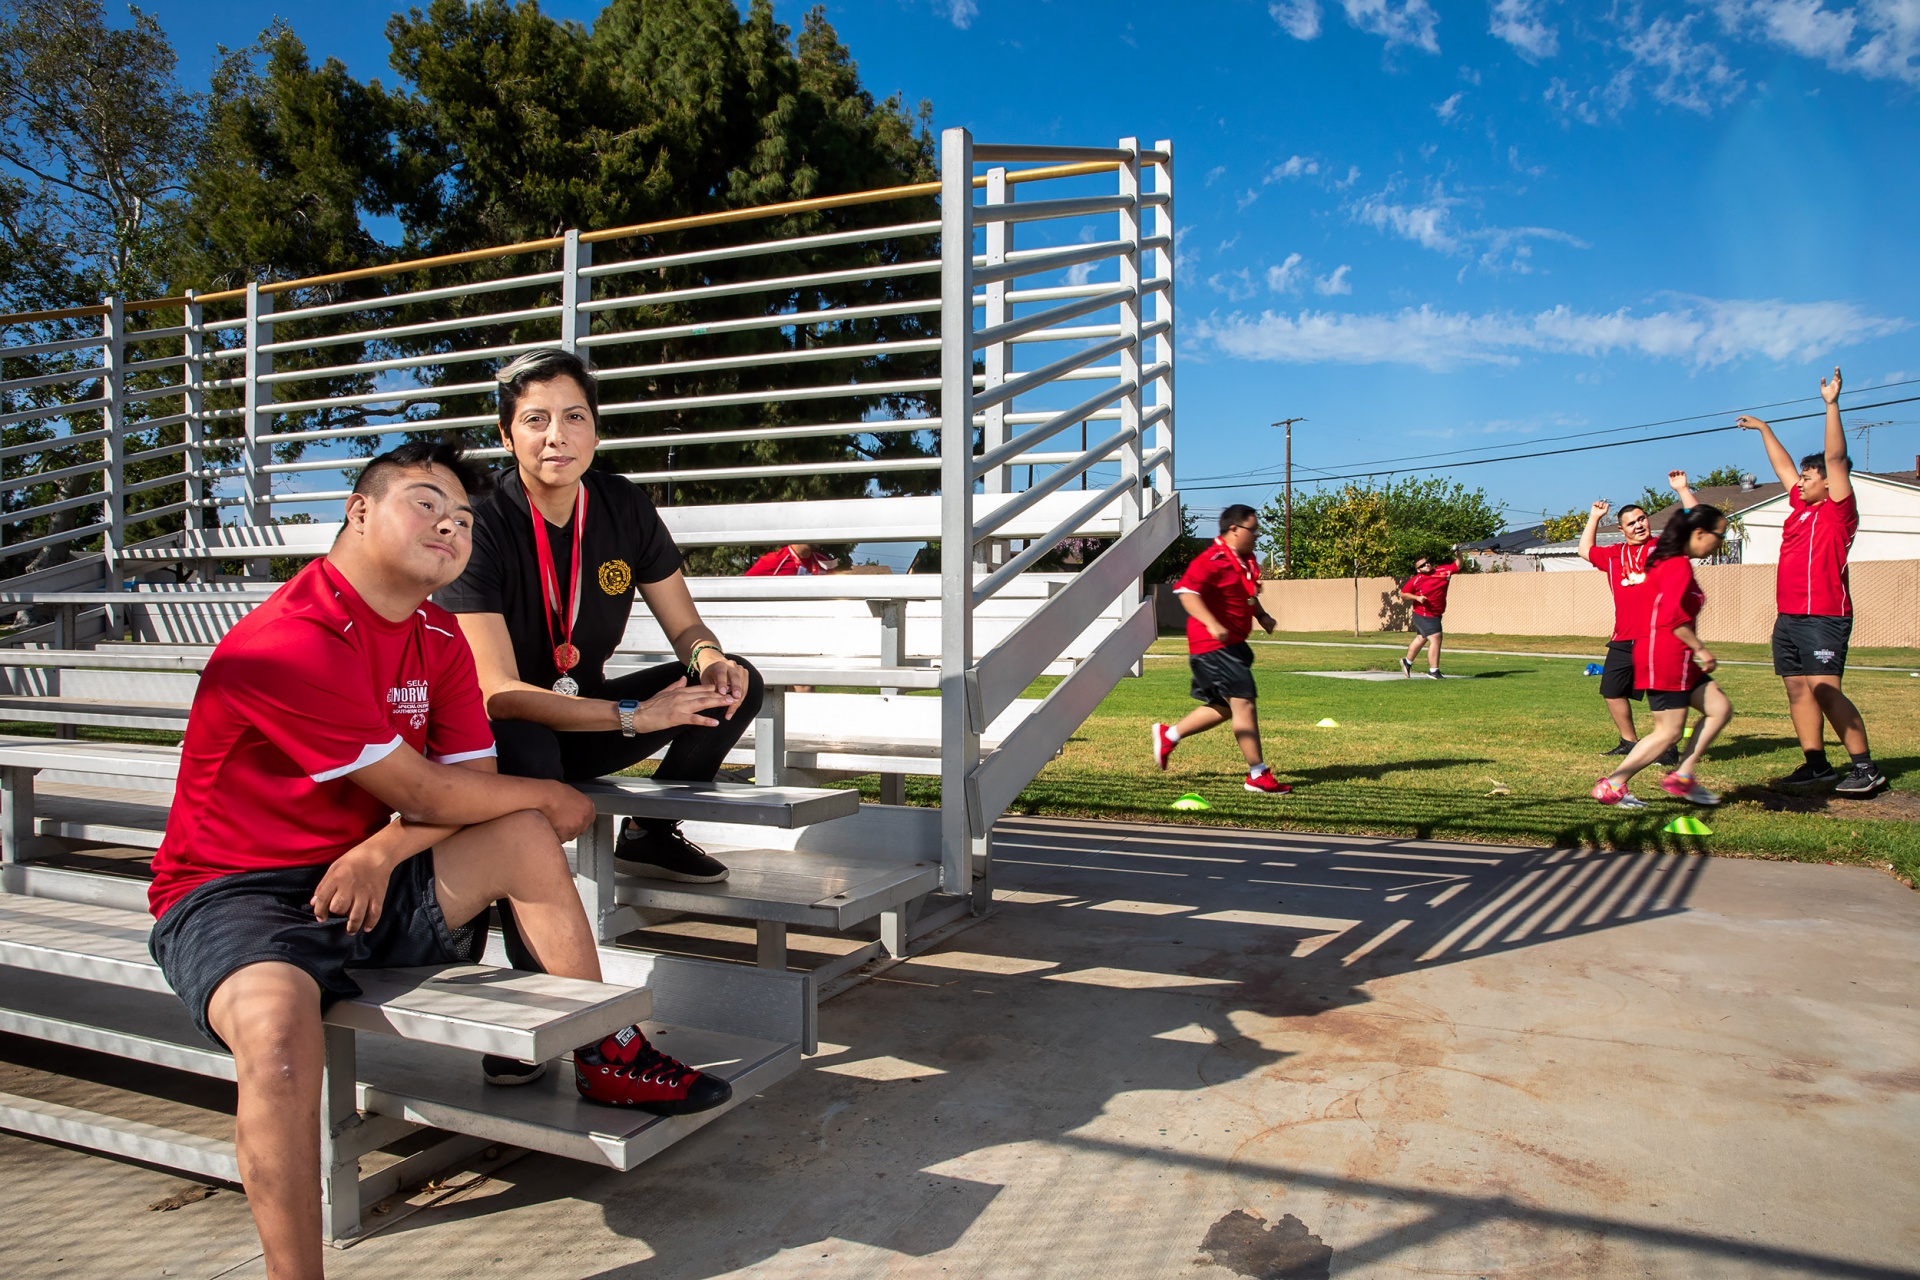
(1670,663)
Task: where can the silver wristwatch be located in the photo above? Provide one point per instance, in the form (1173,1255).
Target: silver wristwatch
(627,707)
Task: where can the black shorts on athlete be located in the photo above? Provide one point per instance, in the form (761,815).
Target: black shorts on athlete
(1423,625)
(254,916)
(1221,674)
(1810,644)
(1616,677)
(1674,699)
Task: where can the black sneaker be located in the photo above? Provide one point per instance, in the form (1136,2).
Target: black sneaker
(510,1071)
(665,854)
(1861,781)
(1620,748)
(1406,665)
(1811,775)
(1671,756)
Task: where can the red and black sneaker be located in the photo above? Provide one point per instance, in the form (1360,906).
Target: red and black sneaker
(625,1071)
(1162,745)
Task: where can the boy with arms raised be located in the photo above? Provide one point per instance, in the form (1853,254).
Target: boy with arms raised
(1221,593)
(342,699)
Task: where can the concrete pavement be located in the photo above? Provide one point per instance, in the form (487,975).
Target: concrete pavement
(1176,1052)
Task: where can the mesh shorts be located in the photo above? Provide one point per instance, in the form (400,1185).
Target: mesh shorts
(1810,644)
(226,924)
(1616,678)
(1223,673)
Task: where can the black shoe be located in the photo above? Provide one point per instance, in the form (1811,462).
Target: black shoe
(1433,673)
(665,854)
(510,1071)
(1861,781)
(1620,748)
(1671,756)
(1406,665)
(1811,775)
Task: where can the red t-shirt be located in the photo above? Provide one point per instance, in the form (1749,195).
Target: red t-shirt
(1229,585)
(784,564)
(1626,570)
(310,686)
(1432,585)
(1813,555)
(1670,598)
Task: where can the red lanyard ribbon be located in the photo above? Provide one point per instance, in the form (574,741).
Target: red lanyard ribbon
(1250,580)
(565,656)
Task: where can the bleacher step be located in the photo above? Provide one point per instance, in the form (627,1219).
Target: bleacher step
(831,890)
(131,1139)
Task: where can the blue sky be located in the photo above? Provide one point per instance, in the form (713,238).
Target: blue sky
(1431,229)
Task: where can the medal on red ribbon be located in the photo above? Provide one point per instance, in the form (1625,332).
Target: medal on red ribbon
(1249,579)
(566,654)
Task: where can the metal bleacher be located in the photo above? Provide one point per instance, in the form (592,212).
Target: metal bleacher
(167,460)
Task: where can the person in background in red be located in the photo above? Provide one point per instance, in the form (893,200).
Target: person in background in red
(1816,609)
(1671,666)
(1221,593)
(1427,590)
(801,558)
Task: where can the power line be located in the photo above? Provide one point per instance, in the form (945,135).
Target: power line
(1550,453)
(1362,467)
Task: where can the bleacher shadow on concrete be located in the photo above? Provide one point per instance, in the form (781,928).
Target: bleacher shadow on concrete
(1275,924)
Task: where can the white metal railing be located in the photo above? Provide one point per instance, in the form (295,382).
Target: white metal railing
(182,426)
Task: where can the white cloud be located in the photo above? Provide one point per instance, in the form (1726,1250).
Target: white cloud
(1703,332)
(1237,285)
(1335,284)
(1286,277)
(1298,18)
(1431,224)
(1411,22)
(1448,109)
(1294,167)
(961,13)
(1216,173)
(1589,105)
(1683,72)
(1080,273)
(1520,24)
(1353,176)
(1888,33)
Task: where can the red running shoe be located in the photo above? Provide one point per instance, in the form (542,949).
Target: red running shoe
(625,1071)
(1265,781)
(1162,746)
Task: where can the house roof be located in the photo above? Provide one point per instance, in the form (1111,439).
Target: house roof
(1730,498)
(1510,542)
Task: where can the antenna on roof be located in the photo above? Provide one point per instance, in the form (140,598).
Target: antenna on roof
(1863,430)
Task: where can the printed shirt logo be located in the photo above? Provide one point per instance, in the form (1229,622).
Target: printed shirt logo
(409,700)
(616,579)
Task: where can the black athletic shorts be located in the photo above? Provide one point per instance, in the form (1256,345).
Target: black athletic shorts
(238,920)
(1426,626)
(1810,644)
(1674,699)
(1223,673)
(1616,678)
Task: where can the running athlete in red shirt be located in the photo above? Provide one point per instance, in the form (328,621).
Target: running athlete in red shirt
(342,699)
(1815,608)
(1671,666)
(1221,593)
(1427,588)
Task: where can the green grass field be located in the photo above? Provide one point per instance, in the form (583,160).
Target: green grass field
(1420,759)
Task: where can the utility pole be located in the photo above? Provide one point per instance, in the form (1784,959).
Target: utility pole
(1286,537)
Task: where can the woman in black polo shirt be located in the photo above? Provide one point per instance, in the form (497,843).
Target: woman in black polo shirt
(557,552)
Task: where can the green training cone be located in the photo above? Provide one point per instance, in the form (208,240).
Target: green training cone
(1687,825)
(1328,723)
(1190,801)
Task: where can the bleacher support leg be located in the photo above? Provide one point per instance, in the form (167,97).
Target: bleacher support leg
(339,1154)
(16,812)
(593,875)
(982,873)
(770,739)
(893,788)
(770,944)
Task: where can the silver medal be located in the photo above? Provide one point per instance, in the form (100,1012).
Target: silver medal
(567,687)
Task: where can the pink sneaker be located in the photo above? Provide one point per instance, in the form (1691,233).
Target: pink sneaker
(1162,746)
(1688,789)
(1265,781)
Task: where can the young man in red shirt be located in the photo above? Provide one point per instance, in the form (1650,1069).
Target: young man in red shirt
(342,700)
(1221,593)
(1427,589)
(1625,565)
(1816,609)
(796,558)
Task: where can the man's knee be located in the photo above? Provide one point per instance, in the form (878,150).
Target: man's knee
(528,750)
(269,1016)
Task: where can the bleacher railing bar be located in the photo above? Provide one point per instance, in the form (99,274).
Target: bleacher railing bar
(883,365)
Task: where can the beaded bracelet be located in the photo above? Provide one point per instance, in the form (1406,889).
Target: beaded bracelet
(693,658)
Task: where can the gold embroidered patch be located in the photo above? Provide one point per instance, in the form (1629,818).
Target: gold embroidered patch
(615,578)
